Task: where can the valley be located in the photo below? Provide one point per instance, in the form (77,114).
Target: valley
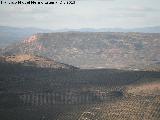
(81,76)
(50,93)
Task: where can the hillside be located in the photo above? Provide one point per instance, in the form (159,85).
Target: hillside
(34,93)
(152,67)
(145,89)
(10,35)
(93,50)
(34,61)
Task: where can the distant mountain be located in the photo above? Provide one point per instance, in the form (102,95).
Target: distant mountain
(93,49)
(9,35)
(155,29)
(146,29)
(34,61)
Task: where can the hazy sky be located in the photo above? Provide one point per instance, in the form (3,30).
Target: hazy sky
(84,14)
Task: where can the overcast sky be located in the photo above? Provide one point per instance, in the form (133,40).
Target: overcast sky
(84,14)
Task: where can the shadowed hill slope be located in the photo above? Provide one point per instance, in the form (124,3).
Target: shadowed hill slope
(34,93)
(33,78)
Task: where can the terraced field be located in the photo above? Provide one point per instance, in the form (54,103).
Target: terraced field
(128,108)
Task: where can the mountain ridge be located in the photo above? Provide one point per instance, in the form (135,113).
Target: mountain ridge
(93,50)
(10,35)
(34,61)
